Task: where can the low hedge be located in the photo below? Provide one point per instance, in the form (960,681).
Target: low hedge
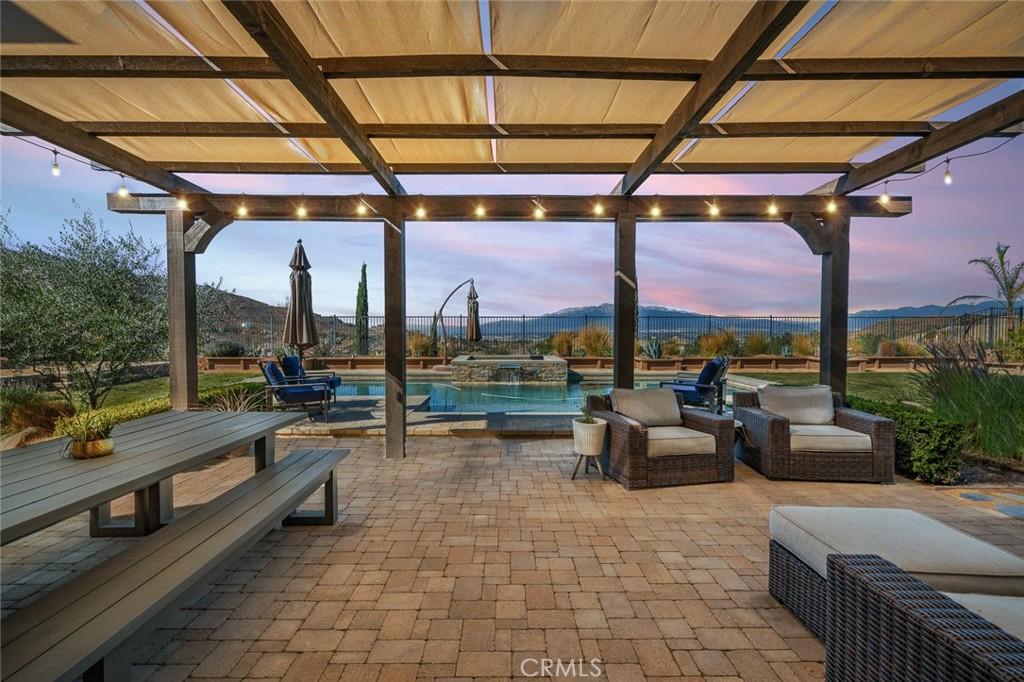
(144,408)
(928,447)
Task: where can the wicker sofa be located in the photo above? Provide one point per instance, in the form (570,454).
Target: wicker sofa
(828,442)
(631,459)
(917,614)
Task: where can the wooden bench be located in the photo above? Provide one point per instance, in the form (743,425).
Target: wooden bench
(86,626)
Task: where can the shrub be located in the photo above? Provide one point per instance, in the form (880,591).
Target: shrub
(1012,347)
(756,344)
(718,343)
(595,340)
(672,348)
(867,344)
(652,348)
(781,345)
(41,415)
(928,447)
(418,344)
(248,397)
(14,396)
(804,346)
(226,349)
(89,425)
(888,348)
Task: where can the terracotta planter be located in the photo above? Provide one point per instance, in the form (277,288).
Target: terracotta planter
(588,439)
(92,448)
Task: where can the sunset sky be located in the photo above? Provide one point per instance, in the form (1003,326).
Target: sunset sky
(533,268)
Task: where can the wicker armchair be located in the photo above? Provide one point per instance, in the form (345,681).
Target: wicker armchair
(629,464)
(885,624)
(768,446)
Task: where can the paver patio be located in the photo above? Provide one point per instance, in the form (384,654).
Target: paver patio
(472,555)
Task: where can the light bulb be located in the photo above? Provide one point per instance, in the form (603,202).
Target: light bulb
(655,211)
(948,176)
(480,211)
(55,168)
(831,206)
(538,213)
(773,209)
(360,208)
(884,199)
(714,210)
(599,208)
(301,211)
(183,204)
(243,211)
(122,191)
(421,212)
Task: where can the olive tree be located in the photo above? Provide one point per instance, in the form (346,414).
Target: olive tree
(85,307)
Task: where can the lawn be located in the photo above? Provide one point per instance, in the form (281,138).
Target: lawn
(160,387)
(887,386)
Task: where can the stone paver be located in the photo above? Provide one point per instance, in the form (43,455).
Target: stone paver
(474,557)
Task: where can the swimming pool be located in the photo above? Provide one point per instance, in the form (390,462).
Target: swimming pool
(445,397)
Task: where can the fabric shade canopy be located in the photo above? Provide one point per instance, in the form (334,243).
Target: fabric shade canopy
(473,333)
(300,321)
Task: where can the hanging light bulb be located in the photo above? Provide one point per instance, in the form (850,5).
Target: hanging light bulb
(831,205)
(421,212)
(948,176)
(884,199)
(599,208)
(55,168)
(773,209)
(243,210)
(655,211)
(538,213)
(480,211)
(713,208)
(360,208)
(301,211)
(122,191)
(183,204)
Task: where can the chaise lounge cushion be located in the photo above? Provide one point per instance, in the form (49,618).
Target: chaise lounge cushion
(651,406)
(827,438)
(798,404)
(666,441)
(1006,612)
(941,556)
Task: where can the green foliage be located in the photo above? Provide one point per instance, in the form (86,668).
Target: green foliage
(722,342)
(756,344)
(959,386)
(653,348)
(88,425)
(867,344)
(227,349)
(561,344)
(928,447)
(594,340)
(363,317)
(1012,347)
(13,396)
(672,348)
(214,315)
(587,417)
(238,398)
(1008,279)
(417,343)
(86,307)
(432,346)
(804,345)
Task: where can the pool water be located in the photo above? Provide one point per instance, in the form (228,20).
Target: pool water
(445,397)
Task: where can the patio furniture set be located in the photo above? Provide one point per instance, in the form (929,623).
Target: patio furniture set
(893,594)
(88,625)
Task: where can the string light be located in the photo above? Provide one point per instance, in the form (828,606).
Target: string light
(183,203)
(122,191)
(948,176)
(243,210)
(713,208)
(55,168)
(655,211)
(421,212)
(301,211)
(360,208)
(598,208)
(773,209)
(884,199)
(480,211)
(538,213)
(831,205)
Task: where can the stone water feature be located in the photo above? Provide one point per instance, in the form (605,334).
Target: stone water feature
(509,369)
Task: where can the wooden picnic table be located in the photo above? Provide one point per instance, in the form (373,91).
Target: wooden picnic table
(40,485)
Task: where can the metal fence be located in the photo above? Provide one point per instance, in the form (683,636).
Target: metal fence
(593,335)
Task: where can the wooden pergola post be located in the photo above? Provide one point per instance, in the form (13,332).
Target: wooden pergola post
(625,298)
(835,304)
(394,335)
(181,314)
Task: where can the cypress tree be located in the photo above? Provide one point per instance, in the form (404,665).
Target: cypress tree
(362,317)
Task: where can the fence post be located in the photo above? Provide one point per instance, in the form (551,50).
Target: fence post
(271,346)
(334,334)
(524,334)
(771,326)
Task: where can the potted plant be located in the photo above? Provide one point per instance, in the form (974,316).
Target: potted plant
(90,435)
(588,433)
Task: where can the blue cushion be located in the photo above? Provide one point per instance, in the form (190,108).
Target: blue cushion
(277,376)
(291,366)
(301,394)
(707,373)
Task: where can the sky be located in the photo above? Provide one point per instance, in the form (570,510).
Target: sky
(534,268)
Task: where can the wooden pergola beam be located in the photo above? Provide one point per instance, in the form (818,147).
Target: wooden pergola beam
(269,29)
(694,168)
(763,23)
(733,208)
(25,117)
(1006,112)
(485,131)
(535,66)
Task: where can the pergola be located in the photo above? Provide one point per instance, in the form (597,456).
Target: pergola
(154,88)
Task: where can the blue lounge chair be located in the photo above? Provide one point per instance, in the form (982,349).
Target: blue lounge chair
(283,394)
(295,373)
(708,391)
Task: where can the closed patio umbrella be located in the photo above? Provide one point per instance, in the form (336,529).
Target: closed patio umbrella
(299,323)
(472,315)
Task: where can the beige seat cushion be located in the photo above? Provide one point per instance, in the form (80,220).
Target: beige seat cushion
(1006,612)
(827,438)
(943,557)
(651,406)
(665,441)
(798,404)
